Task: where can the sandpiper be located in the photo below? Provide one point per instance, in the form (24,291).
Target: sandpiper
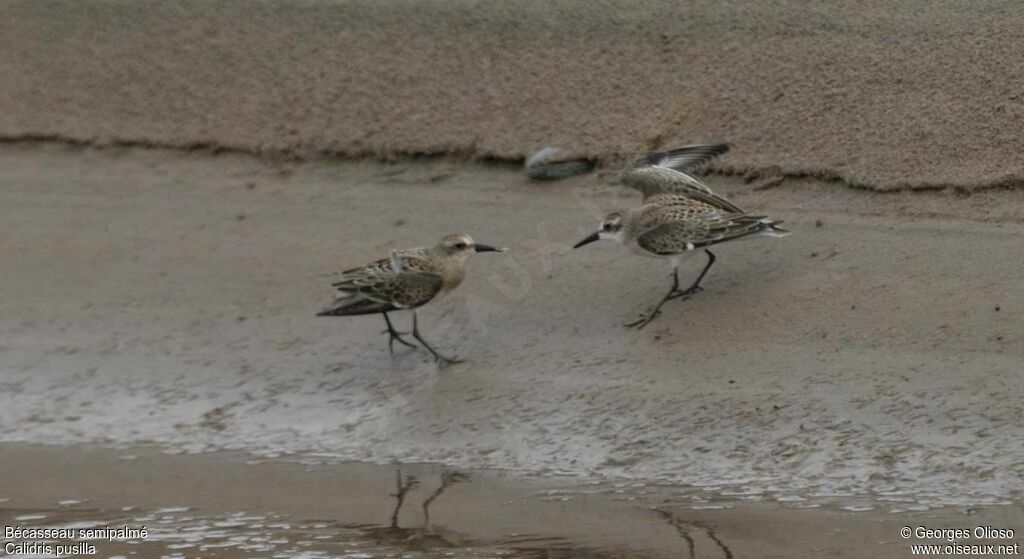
(679,215)
(407,280)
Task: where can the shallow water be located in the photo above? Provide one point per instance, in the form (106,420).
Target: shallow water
(234,506)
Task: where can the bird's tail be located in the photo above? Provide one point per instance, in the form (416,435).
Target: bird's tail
(770,228)
(334,310)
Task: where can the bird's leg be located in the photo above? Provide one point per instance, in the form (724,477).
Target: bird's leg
(672,293)
(441,359)
(695,287)
(394,335)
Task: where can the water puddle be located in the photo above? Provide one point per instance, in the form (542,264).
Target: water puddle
(231,506)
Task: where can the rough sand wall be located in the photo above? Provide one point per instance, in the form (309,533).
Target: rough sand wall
(881,94)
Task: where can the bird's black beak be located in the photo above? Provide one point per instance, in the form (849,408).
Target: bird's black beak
(488,248)
(590,238)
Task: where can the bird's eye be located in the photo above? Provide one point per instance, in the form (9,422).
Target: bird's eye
(607,226)
(460,246)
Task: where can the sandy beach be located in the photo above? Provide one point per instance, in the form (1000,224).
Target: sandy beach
(181,181)
(156,296)
(878,94)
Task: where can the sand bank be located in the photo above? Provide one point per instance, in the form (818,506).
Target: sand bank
(881,94)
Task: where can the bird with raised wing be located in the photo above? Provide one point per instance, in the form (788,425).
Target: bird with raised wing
(679,215)
(407,280)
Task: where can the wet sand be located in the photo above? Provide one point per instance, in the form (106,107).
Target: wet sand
(155,296)
(870,362)
(228,505)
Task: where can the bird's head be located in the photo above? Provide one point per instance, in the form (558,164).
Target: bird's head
(461,245)
(611,228)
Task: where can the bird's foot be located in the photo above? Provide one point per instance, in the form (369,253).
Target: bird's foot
(396,336)
(644,320)
(685,293)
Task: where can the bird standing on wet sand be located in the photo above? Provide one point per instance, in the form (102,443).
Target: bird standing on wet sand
(409,279)
(679,215)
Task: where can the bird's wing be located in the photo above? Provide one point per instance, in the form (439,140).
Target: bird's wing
(685,197)
(415,282)
(685,159)
(414,259)
(404,289)
(676,229)
(670,172)
(651,180)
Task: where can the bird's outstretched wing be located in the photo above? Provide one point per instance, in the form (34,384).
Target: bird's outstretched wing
(670,172)
(685,159)
(380,287)
(685,198)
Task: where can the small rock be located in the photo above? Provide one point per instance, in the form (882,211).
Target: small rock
(770,182)
(547,164)
(818,223)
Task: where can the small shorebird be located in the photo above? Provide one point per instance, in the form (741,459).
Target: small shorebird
(679,215)
(407,280)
